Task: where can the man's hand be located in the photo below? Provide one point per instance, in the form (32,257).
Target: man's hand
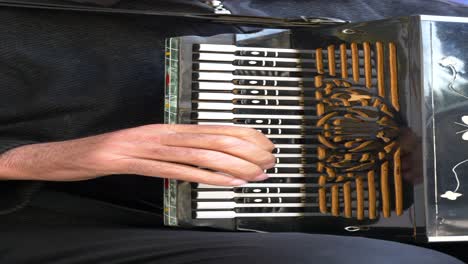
(236,154)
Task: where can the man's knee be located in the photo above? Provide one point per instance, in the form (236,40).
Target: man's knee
(313,248)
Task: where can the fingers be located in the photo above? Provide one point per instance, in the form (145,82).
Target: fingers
(247,134)
(234,146)
(214,160)
(238,154)
(179,171)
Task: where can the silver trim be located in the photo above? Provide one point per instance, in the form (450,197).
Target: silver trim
(447,238)
(444,18)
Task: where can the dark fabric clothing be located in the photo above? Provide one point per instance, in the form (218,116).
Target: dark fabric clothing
(38,234)
(98,2)
(64,77)
(131,245)
(355,10)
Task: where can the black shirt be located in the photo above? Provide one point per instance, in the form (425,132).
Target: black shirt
(66,75)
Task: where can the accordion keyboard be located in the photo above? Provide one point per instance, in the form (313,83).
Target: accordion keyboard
(332,114)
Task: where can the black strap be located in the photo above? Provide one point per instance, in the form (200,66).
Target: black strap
(200,17)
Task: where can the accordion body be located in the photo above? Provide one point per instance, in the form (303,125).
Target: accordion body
(348,108)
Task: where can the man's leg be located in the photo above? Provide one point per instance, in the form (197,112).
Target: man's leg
(39,241)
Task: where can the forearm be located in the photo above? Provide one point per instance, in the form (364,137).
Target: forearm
(57,161)
(172,151)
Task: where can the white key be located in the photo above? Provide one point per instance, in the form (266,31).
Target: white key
(289,136)
(232,205)
(295,146)
(231,86)
(256,94)
(229,67)
(290,175)
(233,48)
(290,165)
(258,185)
(230,96)
(228,116)
(256,126)
(231,195)
(231,57)
(228,106)
(216,76)
(231,214)
(294,155)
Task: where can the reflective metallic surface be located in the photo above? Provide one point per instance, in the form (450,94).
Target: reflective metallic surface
(432,93)
(446,103)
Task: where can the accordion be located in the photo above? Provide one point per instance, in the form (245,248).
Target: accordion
(346,107)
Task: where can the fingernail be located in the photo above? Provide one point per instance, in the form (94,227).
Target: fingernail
(261,177)
(238,182)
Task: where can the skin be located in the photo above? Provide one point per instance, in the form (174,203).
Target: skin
(238,155)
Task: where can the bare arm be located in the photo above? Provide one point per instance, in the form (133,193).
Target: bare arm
(170,151)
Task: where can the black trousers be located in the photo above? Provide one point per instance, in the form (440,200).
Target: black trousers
(79,230)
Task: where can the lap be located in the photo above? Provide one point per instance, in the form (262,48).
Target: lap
(59,228)
(39,235)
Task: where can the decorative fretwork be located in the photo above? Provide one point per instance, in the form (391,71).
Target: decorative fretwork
(359,131)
